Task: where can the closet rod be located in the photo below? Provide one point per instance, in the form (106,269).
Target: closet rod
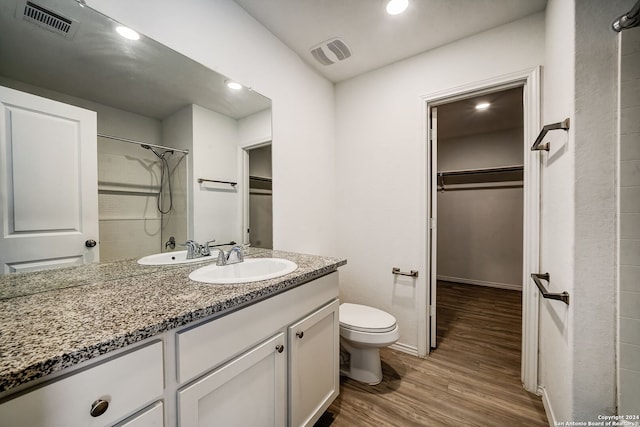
(515,168)
(131,141)
(259,178)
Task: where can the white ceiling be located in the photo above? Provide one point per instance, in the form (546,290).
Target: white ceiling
(98,65)
(374,37)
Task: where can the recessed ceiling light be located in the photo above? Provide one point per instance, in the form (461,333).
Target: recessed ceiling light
(233,85)
(128,33)
(482,106)
(395,7)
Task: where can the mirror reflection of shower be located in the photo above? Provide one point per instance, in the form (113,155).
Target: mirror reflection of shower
(142,194)
(165,177)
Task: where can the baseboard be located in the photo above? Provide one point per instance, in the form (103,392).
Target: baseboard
(551,418)
(405,348)
(509,286)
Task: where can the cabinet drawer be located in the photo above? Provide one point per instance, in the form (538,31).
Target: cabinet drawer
(128,383)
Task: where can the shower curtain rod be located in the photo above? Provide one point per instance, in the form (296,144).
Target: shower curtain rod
(131,141)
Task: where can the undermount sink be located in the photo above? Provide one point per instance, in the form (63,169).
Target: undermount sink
(168,258)
(250,270)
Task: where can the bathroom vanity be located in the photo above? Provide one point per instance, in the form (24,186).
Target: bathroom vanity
(157,349)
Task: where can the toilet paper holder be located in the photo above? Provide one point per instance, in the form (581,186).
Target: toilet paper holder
(412,273)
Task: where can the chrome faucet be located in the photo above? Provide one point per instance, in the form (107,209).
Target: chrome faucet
(236,251)
(171,243)
(195,250)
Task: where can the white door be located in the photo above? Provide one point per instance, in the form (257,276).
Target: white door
(48,183)
(433,234)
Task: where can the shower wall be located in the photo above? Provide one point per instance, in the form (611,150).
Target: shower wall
(629,193)
(128,181)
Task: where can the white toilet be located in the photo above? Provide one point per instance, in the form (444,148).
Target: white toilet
(363,330)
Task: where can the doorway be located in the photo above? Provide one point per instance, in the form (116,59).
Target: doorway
(524,173)
(260,197)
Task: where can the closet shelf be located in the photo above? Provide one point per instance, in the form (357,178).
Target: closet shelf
(260,183)
(482,175)
(500,169)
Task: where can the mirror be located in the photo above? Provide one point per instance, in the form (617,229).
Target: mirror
(147,93)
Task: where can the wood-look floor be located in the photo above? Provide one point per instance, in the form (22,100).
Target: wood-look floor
(471,379)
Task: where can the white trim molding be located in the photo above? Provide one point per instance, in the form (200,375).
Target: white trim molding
(551,418)
(529,80)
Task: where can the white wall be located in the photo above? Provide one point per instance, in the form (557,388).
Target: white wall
(629,313)
(557,216)
(223,37)
(379,144)
(255,129)
(214,155)
(577,342)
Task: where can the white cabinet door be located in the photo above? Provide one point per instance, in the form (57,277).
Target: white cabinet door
(250,390)
(314,376)
(48,183)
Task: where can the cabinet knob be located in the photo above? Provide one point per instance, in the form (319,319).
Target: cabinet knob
(279,348)
(300,334)
(90,243)
(99,407)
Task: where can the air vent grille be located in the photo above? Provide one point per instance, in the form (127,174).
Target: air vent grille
(47,19)
(339,49)
(331,51)
(320,56)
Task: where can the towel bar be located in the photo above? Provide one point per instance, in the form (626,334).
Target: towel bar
(564,296)
(537,145)
(201,180)
(396,270)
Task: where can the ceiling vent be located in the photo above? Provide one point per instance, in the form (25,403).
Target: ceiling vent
(331,51)
(46,18)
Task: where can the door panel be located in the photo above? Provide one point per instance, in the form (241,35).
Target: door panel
(314,377)
(44,150)
(249,390)
(48,183)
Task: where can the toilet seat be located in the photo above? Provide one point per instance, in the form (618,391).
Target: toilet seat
(361,318)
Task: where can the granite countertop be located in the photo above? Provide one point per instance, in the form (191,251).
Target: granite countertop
(51,330)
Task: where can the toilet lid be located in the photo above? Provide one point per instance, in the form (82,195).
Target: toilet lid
(366,319)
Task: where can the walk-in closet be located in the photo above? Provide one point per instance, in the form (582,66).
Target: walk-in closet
(480,190)
(480,153)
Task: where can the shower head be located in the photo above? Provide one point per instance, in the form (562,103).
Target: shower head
(628,20)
